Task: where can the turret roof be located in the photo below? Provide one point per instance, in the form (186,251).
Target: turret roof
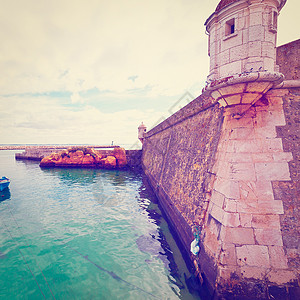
(224,3)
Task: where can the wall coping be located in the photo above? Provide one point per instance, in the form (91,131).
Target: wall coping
(288,84)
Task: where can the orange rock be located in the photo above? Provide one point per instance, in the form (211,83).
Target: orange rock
(109,162)
(54,156)
(98,159)
(77,157)
(88,160)
(120,154)
(86,157)
(47,162)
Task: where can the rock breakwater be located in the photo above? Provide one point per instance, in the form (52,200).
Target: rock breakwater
(84,157)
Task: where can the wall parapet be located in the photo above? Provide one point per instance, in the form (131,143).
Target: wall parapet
(199,104)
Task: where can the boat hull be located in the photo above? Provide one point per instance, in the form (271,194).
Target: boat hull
(4,183)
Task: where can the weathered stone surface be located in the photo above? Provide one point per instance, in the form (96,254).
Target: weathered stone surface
(250,233)
(238,235)
(288,59)
(278,258)
(253,255)
(288,191)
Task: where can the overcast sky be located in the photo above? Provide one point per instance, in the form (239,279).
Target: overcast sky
(89,71)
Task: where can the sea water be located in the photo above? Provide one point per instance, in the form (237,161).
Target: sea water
(84,234)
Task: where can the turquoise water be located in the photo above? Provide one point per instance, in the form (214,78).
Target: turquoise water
(84,234)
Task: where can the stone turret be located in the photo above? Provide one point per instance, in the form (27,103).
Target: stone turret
(242,49)
(141,132)
(244,237)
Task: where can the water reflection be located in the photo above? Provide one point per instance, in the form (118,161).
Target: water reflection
(71,176)
(106,210)
(155,242)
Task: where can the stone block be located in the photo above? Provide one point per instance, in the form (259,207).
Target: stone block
(262,157)
(270,237)
(233,100)
(217,213)
(266,221)
(224,56)
(216,94)
(254,63)
(222,102)
(283,156)
(212,244)
(269,37)
(256,33)
(254,49)
(276,93)
(278,258)
(248,191)
(224,169)
(231,219)
(238,52)
(246,220)
(214,226)
(269,64)
(249,97)
(271,171)
(228,255)
(248,207)
(229,188)
(248,146)
(242,133)
(268,50)
(272,145)
(239,157)
(242,171)
(236,123)
(237,236)
(281,276)
(264,190)
(217,198)
(253,272)
(227,272)
(232,89)
(230,205)
(253,256)
(230,69)
(270,207)
(234,41)
(275,103)
(265,132)
(256,18)
(257,87)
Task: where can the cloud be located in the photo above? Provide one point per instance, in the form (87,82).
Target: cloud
(103,66)
(44,121)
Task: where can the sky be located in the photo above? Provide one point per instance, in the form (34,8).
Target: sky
(90,71)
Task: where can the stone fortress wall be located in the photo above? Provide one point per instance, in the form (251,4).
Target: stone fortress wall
(227,166)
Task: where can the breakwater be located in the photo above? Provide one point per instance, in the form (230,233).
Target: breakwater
(37,153)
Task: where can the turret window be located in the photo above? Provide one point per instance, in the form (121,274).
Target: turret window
(273,21)
(229,27)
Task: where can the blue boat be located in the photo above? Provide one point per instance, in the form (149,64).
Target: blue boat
(4,183)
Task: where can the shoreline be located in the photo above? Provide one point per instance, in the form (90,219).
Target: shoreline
(23,147)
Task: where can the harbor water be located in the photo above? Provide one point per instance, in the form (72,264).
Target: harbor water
(84,234)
